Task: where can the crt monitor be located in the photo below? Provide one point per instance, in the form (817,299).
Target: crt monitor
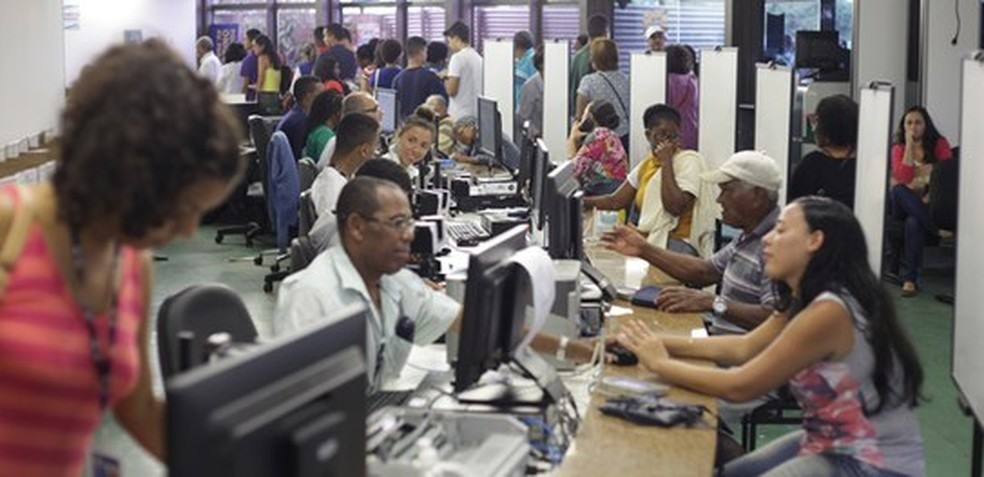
(541,167)
(292,407)
(562,199)
(489,128)
(494,309)
(388,105)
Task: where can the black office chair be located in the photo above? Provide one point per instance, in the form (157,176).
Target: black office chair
(260,130)
(302,252)
(198,312)
(782,410)
(307,171)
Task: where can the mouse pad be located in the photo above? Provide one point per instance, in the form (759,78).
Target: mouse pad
(646,296)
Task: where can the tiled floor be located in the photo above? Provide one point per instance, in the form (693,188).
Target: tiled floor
(947,433)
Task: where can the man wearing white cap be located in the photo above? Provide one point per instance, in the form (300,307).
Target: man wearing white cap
(749,182)
(656,37)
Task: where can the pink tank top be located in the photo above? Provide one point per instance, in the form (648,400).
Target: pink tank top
(49,390)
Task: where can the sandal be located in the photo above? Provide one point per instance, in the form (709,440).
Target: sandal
(909,290)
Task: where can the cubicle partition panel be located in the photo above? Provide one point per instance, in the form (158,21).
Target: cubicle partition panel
(647,79)
(556,117)
(718,104)
(773,115)
(498,79)
(871,186)
(968,327)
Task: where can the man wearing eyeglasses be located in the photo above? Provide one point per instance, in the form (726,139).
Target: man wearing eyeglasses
(376,227)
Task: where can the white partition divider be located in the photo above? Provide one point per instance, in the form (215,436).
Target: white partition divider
(874,142)
(647,80)
(968,326)
(498,78)
(773,113)
(556,118)
(718,104)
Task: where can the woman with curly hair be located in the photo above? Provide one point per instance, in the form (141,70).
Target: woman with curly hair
(136,170)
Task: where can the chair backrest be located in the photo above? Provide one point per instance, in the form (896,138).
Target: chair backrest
(260,130)
(943,193)
(302,253)
(283,188)
(203,310)
(307,171)
(307,214)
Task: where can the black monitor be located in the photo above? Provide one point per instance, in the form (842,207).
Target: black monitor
(292,407)
(494,309)
(390,107)
(819,49)
(489,128)
(562,198)
(527,152)
(541,167)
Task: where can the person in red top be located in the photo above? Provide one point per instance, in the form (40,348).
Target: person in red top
(918,146)
(135,170)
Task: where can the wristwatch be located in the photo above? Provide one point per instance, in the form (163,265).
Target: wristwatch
(720,307)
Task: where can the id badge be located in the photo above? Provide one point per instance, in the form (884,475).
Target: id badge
(104,465)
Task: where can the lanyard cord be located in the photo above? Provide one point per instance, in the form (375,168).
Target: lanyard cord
(101,362)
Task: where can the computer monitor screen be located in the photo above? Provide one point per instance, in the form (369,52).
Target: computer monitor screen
(489,128)
(562,199)
(292,407)
(819,49)
(388,105)
(541,167)
(494,310)
(527,151)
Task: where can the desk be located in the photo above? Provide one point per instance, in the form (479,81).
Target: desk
(610,446)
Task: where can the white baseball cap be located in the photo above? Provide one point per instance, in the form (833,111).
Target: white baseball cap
(753,167)
(653,30)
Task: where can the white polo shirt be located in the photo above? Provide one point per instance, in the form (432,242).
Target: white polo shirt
(331,282)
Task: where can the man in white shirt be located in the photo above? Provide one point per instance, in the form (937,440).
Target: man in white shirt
(376,227)
(464,79)
(357,136)
(209,65)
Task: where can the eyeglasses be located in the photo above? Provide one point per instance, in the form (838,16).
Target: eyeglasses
(372,110)
(399,224)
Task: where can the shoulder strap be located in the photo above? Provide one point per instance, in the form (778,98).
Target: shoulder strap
(615,90)
(13,233)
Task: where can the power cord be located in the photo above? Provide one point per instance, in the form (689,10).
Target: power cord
(956,11)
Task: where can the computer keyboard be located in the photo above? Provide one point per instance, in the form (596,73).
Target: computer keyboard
(382,399)
(466,232)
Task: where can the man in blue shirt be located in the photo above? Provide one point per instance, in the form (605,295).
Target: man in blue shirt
(248,69)
(294,123)
(523,52)
(337,38)
(416,83)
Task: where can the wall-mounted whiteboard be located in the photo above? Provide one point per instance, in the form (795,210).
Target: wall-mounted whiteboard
(968,326)
(874,141)
(498,79)
(718,104)
(556,117)
(773,113)
(647,80)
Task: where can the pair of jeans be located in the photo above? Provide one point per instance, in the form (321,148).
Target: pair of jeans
(781,458)
(909,207)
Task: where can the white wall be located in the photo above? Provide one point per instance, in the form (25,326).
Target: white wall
(102,23)
(31,46)
(880,46)
(941,60)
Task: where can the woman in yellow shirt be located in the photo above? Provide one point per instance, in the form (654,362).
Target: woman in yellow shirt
(268,65)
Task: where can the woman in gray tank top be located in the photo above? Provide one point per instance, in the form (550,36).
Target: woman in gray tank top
(835,340)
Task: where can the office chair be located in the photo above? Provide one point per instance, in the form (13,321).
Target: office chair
(282,194)
(307,171)
(782,410)
(260,130)
(302,252)
(198,312)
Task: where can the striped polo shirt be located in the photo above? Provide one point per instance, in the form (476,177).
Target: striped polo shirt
(49,391)
(743,273)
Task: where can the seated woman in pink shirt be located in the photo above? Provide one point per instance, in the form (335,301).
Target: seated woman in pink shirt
(918,146)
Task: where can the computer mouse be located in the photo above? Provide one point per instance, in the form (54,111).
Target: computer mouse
(623,357)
